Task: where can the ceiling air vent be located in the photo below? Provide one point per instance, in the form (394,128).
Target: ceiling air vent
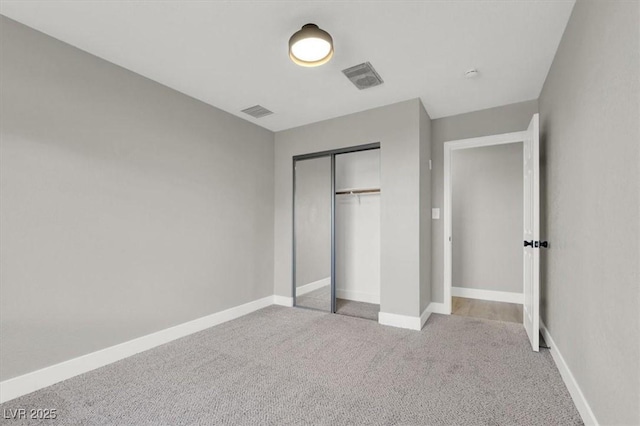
(363,76)
(257,111)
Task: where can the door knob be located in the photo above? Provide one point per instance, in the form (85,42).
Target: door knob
(542,244)
(528,243)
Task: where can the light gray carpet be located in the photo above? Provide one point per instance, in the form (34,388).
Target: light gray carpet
(284,366)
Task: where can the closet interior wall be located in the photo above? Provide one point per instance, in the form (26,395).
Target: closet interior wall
(357,216)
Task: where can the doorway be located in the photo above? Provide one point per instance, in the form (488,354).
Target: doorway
(336,231)
(473,243)
(486,230)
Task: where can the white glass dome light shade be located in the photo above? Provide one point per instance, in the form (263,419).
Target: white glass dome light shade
(311,46)
(311,49)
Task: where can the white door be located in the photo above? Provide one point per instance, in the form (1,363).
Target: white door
(531,158)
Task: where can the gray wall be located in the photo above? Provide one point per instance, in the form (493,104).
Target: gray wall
(313,220)
(126,207)
(396,127)
(425,209)
(591,138)
(504,119)
(487,218)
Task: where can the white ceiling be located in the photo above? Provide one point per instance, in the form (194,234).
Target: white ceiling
(233,54)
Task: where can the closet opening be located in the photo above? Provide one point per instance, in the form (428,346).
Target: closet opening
(357,220)
(336,231)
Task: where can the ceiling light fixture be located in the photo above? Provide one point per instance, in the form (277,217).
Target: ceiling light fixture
(311,46)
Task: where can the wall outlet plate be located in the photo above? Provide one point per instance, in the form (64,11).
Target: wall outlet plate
(435,213)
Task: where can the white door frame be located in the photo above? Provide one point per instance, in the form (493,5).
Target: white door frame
(449,147)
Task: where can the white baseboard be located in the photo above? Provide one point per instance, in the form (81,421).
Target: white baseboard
(401,321)
(496,296)
(404,321)
(574,390)
(307,288)
(283,300)
(31,382)
(358,296)
(438,308)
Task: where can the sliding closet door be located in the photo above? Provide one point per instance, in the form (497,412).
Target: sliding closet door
(312,233)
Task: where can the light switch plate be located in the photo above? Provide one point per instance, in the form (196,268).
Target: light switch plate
(435,213)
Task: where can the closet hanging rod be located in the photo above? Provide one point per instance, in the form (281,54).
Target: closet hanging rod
(359,191)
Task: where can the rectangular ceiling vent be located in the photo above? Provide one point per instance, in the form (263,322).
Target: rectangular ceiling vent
(363,76)
(257,111)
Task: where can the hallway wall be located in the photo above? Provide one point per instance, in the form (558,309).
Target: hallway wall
(487,222)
